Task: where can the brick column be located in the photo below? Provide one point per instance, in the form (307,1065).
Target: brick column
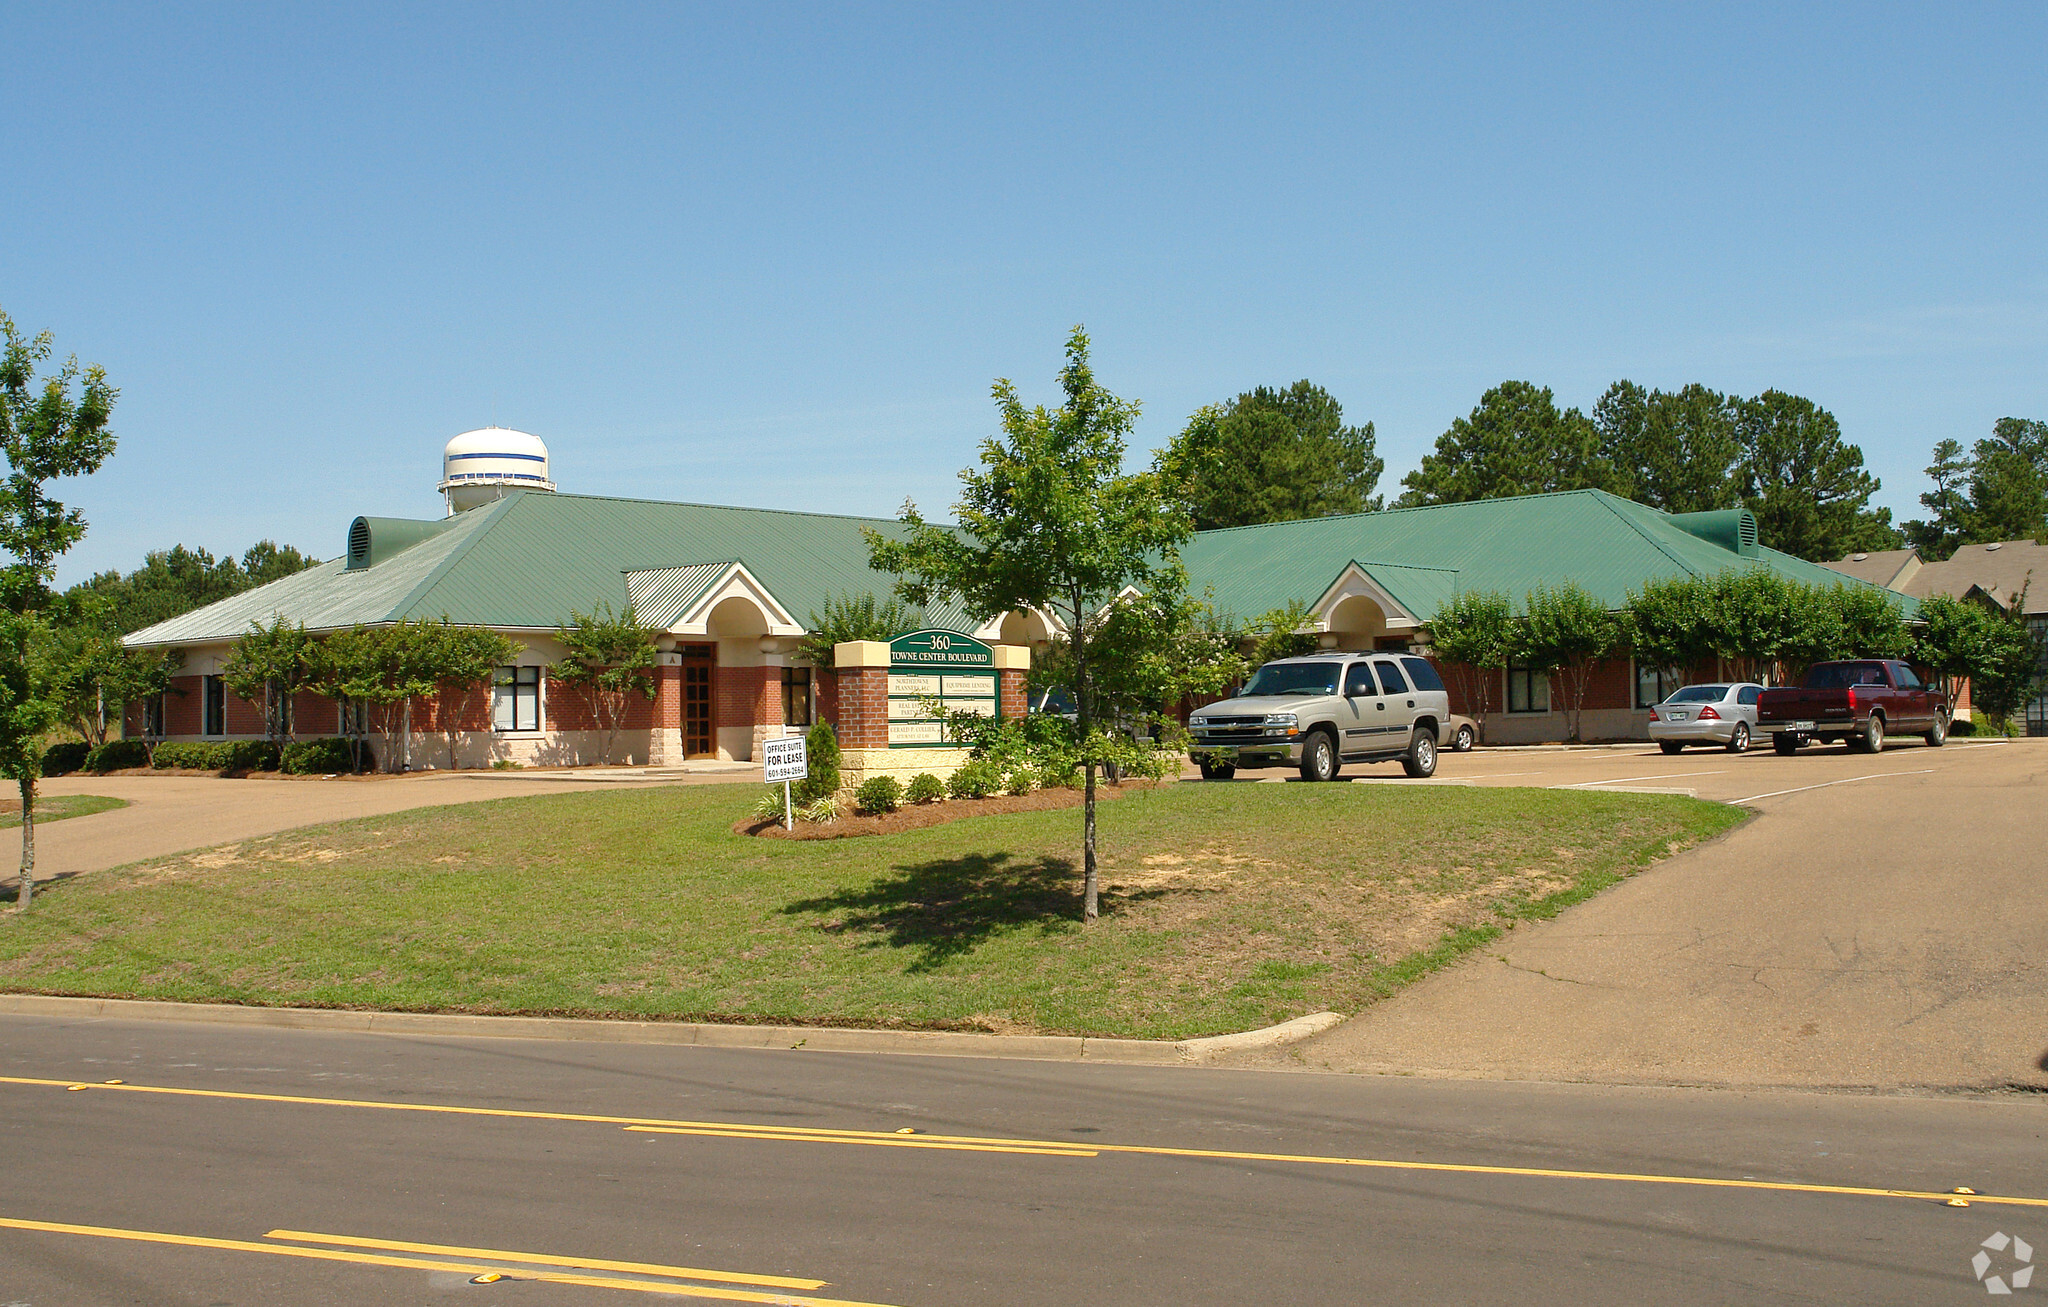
(1012,660)
(665,735)
(863,671)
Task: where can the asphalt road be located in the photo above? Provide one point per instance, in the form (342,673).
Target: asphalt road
(1882,923)
(1120,1185)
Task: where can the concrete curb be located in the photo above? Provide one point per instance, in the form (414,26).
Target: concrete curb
(823,1039)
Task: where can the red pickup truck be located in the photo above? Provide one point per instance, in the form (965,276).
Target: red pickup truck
(1860,701)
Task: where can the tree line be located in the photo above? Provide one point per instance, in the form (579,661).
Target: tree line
(1282,454)
(1750,624)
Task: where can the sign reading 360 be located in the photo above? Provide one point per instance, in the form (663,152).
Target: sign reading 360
(939,649)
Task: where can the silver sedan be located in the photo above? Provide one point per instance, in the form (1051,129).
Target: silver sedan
(1720,714)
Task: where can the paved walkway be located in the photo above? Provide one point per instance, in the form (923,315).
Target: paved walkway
(1887,928)
(174,813)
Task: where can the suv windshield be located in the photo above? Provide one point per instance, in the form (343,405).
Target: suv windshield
(1292,678)
(1699,694)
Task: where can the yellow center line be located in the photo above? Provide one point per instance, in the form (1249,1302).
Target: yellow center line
(1048,1147)
(950,1142)
(424,1264)
(547,1259)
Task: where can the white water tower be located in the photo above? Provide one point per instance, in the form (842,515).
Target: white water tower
(482,467)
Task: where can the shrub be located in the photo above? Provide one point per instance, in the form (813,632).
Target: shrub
(323,757)
(1960,726)
(63,759)
(190,755)
(821,750)
(822,809)
(1022,779)
(249,755)
(977,778)
(116,754)
(878,794)
(925,788)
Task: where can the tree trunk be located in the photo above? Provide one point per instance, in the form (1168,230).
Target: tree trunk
(28,843)
(1084,719)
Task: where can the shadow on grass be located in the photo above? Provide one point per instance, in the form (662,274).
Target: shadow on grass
(946,908)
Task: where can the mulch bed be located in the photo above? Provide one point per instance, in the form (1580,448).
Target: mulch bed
(933,814)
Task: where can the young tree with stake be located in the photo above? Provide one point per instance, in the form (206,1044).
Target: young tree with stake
(1051,521)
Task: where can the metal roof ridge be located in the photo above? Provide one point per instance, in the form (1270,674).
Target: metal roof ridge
(742,508)
(1602,497)
(492,516)
(1411,508)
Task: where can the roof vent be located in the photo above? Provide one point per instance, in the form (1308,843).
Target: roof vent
(1999,545)
(1857,558)
(1734,529)
(372,540)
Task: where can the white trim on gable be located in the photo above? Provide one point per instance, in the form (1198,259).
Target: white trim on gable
(736,582)
(1355,582)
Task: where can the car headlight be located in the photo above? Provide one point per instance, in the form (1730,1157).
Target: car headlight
(1197,723)
(1280,719)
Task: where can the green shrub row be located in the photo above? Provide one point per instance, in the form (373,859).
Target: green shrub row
(114,755)
(227,756)
(328,756)
(63,759)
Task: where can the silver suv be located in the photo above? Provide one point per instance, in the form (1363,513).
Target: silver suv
(1322,711)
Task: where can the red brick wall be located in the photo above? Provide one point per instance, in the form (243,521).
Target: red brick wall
(745,696)
(572,708)
(1013,702)
(182,711)
(864,708)
(827,683)
(1611,684)
(666,712)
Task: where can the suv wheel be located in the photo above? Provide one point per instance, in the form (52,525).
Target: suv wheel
(1319,757)
(1421,759)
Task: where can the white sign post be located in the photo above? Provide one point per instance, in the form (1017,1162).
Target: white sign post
(783,760)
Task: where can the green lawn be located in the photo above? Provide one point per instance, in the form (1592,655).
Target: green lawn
(1227,907)
(56,807)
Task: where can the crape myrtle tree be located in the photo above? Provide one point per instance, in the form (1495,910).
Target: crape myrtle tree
(1273,455)
(50,427)
(1669,624)
(610,658)
(1565,630)
(1473,635)
(388,668)
(1051,521)
(270,665)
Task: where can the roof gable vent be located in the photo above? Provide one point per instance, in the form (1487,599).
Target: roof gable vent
(359,544)
(1734,529)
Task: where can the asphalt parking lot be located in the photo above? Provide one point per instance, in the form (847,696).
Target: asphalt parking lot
(1882,923)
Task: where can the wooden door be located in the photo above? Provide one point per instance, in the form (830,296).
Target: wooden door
(697,739)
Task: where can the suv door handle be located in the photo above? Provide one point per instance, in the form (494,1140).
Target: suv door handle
(1381,705)
(1411,703)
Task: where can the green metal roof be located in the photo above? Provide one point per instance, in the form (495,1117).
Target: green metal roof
(528,560)
(1421,556)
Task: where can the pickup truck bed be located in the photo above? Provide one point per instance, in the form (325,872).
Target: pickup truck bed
(1860,701)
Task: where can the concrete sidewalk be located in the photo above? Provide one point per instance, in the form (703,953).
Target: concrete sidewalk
(1886,932)
(174,814)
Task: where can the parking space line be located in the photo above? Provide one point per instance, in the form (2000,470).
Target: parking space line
(1847,780)
(1623,780)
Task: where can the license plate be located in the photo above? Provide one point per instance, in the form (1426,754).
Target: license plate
(1674,717)
(1798,726)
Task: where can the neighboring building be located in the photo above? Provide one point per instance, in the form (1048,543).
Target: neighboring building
(2009,575)
(730,591)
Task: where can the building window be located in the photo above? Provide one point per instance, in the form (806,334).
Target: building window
(351,717)
(515,705)
(152,718)
(796,696)
(1655,684)
(215,700)
(1528,689)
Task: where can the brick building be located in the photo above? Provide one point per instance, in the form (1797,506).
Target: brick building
(730,589)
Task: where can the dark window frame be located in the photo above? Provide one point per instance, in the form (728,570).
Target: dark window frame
(1669,681)
(797,702)
(523,682)
(1529,678)
(213,706)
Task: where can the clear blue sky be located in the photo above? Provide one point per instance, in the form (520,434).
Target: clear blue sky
(774,255)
